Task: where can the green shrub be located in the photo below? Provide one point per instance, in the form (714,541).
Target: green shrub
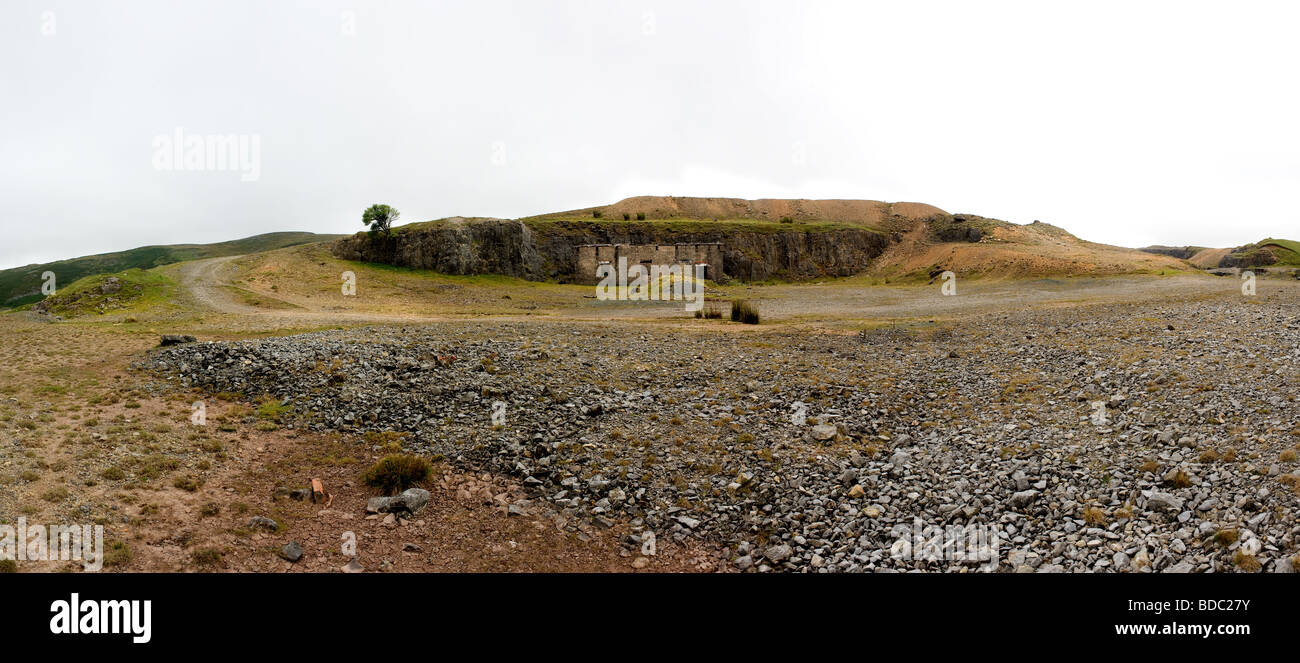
(393,474)
(596,214)
(640,216)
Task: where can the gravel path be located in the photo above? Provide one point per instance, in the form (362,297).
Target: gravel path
(204,280)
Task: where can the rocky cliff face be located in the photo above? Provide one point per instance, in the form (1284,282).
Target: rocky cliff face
(1245,259)
(457,246)
(543,250)
(1180,252)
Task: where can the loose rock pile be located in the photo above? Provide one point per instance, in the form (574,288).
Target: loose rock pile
(1129,439)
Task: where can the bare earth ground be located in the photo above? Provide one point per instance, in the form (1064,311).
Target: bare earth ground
(85,438)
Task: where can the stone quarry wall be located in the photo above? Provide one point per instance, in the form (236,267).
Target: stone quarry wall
(552,250)
(458,246)
(591,256)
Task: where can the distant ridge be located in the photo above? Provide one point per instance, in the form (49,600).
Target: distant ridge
(1264,253)
(763,239)
(870,213)
(22,285)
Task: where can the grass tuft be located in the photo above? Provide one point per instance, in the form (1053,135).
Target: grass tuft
(396,473)
(743,311)
(1094,516)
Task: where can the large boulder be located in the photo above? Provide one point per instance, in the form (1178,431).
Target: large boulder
(409,501)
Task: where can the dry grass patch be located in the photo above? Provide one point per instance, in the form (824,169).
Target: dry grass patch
(1095,516)
(1245,562)
(393,474)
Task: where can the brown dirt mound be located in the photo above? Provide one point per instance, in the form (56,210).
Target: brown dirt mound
(1014,251)
(1208,258)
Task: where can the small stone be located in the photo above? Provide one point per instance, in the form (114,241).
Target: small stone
(1120,561)
(640,563)
(779,553)
(857,491)
(263,523)
(1142,560)
(1022,481)
(291,551)
(353,567)
(1023,498)
(823,432)
(409,501)
(1164,502)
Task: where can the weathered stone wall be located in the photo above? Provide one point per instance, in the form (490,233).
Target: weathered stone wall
(591,256)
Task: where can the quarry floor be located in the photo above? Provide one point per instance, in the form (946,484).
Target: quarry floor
(85,438)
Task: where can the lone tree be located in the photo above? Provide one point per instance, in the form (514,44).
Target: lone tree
(379,218)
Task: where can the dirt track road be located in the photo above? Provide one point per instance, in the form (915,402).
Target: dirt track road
(211,285)
(203,280)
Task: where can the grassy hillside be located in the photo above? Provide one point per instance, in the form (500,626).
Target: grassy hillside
(1274,252)
(971,246)
(126,291)
(22,285)
(1286,251)
(1265,253)
(307,278)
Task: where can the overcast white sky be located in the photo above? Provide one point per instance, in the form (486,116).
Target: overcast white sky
(1128,123)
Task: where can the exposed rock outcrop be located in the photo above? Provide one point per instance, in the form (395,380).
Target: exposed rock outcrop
(542,250)
(1180,252)
(453,246)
